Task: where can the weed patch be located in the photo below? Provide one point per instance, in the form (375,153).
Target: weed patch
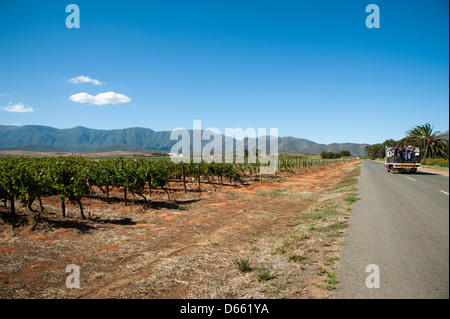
(243,265)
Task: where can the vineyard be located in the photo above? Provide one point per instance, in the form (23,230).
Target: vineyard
(29,180)
(153,228)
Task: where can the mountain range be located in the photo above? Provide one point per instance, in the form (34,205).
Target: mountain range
(136,139)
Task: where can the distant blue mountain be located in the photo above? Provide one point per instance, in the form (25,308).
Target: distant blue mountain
(135,139)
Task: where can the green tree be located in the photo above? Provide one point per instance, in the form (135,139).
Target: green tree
(344,153)
(375,151)
(391,143)
(431,142)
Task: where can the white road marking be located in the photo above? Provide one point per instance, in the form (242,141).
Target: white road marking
(444,192)
(410,178)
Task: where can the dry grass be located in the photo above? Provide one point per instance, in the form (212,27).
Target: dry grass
(290,230)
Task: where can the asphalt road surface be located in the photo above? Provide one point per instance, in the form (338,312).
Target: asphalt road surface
(397,239)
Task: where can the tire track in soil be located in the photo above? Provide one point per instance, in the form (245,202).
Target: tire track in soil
(100,290)
(218,223)
(28,273)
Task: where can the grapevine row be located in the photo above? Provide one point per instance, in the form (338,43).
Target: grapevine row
(72,178)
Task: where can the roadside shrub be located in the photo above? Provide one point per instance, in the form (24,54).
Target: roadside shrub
(331,155)
(441,162)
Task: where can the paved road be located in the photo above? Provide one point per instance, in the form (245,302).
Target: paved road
(401,225)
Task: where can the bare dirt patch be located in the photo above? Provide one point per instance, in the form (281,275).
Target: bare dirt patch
(288,229)
(434,171)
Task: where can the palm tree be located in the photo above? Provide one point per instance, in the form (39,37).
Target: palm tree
(432,143)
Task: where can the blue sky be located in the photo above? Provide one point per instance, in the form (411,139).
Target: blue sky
(312,69)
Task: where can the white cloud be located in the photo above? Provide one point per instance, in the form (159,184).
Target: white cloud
(85,79)
(100,99)
(17,108)
(3,94)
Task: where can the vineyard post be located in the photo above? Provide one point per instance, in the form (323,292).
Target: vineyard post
(13,208)
(184,177)
(278,169)
(149,186)
(63,205)
(198,176)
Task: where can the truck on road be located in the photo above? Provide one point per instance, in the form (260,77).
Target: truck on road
(402,159)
